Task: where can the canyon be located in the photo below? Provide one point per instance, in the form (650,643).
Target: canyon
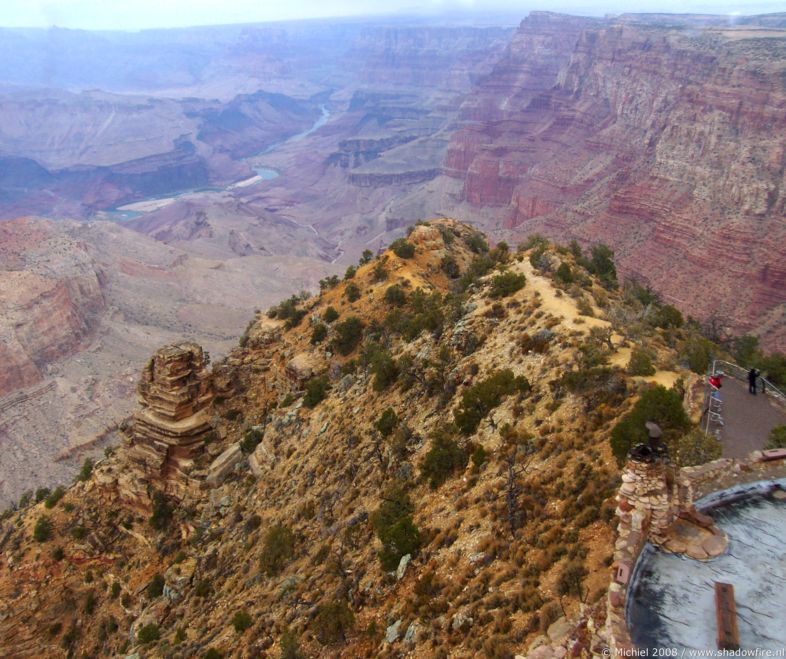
(647,135)
(102,284)
(182,187)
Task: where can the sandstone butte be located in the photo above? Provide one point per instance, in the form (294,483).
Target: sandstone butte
(659,139)
(312,494)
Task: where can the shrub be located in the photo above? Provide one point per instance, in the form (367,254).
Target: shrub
(316,391)
(252,523)
(42,532)
(384,369)
(90,602)
(78,533)
(352,292)
(450,266)
(203,589)
(328,282)
(366,256)
(162,512)
(597,386)
(535,241)
(661,405)
(290,647)
(286,309)
(350,272)
(601,264)
(443,458)
(538,343)
(424,313)
(212,653)
(277,550)
(695,448)
(58,554)
(395,296)
(148,634)
(667,316)
(479,399)
(777,438)
(478,267)
(477,243)
(402,248)
(319,333)
(506,284)
(697,353)
(114,591)
(773,367)
(156,587)
(564,274)
(584,307)
(250,441)
(479,458)
(86,470)
(392,522)
(387,422)
(241,621)
(640,362)
(348,335)
(330,315)
(332,621)
(41,493)
(55,496)
(539,260)
(380,272)
(295,318)
(570,578)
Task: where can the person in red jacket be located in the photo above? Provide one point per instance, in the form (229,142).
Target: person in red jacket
(715,380)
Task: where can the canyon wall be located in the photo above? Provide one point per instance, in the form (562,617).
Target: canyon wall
(664,142)
(50,306)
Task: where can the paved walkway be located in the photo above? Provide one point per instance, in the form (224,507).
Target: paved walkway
(748,419)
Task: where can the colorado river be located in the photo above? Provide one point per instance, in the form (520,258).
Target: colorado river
(138,208)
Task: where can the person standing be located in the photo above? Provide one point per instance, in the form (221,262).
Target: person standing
(753,374)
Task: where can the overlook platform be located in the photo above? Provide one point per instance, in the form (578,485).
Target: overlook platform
(748,419)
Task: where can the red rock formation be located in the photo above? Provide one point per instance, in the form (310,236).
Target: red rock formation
(175,392)
(50,305)
(665,143)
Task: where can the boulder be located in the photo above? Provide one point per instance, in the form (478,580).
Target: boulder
(391,633)
(402,566)
(224,465)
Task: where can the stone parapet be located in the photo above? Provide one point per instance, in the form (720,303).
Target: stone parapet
(647,507)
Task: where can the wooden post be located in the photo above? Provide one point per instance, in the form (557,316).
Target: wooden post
(726,615)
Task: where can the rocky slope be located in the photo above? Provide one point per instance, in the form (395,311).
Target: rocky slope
(660,139)
(397,466)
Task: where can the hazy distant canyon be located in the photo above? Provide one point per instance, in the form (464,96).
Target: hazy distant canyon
(662,137)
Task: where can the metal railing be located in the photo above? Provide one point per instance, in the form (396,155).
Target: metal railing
(762,384)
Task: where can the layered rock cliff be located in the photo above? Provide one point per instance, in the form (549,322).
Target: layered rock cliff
(665,142)
(169,429)
(50,304)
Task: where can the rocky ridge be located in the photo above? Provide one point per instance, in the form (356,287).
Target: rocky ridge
(334,507)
